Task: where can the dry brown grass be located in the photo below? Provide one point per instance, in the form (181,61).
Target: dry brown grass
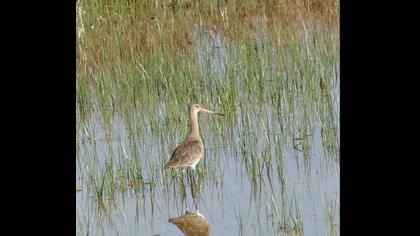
(126,31)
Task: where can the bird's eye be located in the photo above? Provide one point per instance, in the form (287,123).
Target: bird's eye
(197,106)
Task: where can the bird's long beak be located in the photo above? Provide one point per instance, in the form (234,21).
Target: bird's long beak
(211,112)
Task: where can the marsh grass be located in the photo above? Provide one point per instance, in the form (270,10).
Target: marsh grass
(271,67)
(332,209)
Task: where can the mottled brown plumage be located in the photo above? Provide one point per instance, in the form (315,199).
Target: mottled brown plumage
(192,224)
(190,152)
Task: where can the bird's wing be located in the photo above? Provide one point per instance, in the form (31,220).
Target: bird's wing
(186,153)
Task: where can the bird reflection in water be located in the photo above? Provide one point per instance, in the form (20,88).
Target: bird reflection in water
(192,224)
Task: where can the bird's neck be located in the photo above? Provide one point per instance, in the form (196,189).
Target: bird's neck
(194,125)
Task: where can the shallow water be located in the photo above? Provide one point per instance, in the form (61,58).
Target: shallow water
(231,201)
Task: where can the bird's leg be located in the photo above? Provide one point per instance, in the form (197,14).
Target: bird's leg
(184,189)
(190,181)
(194,197)
(192,187)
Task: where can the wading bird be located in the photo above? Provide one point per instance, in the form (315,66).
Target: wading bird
(189,152)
